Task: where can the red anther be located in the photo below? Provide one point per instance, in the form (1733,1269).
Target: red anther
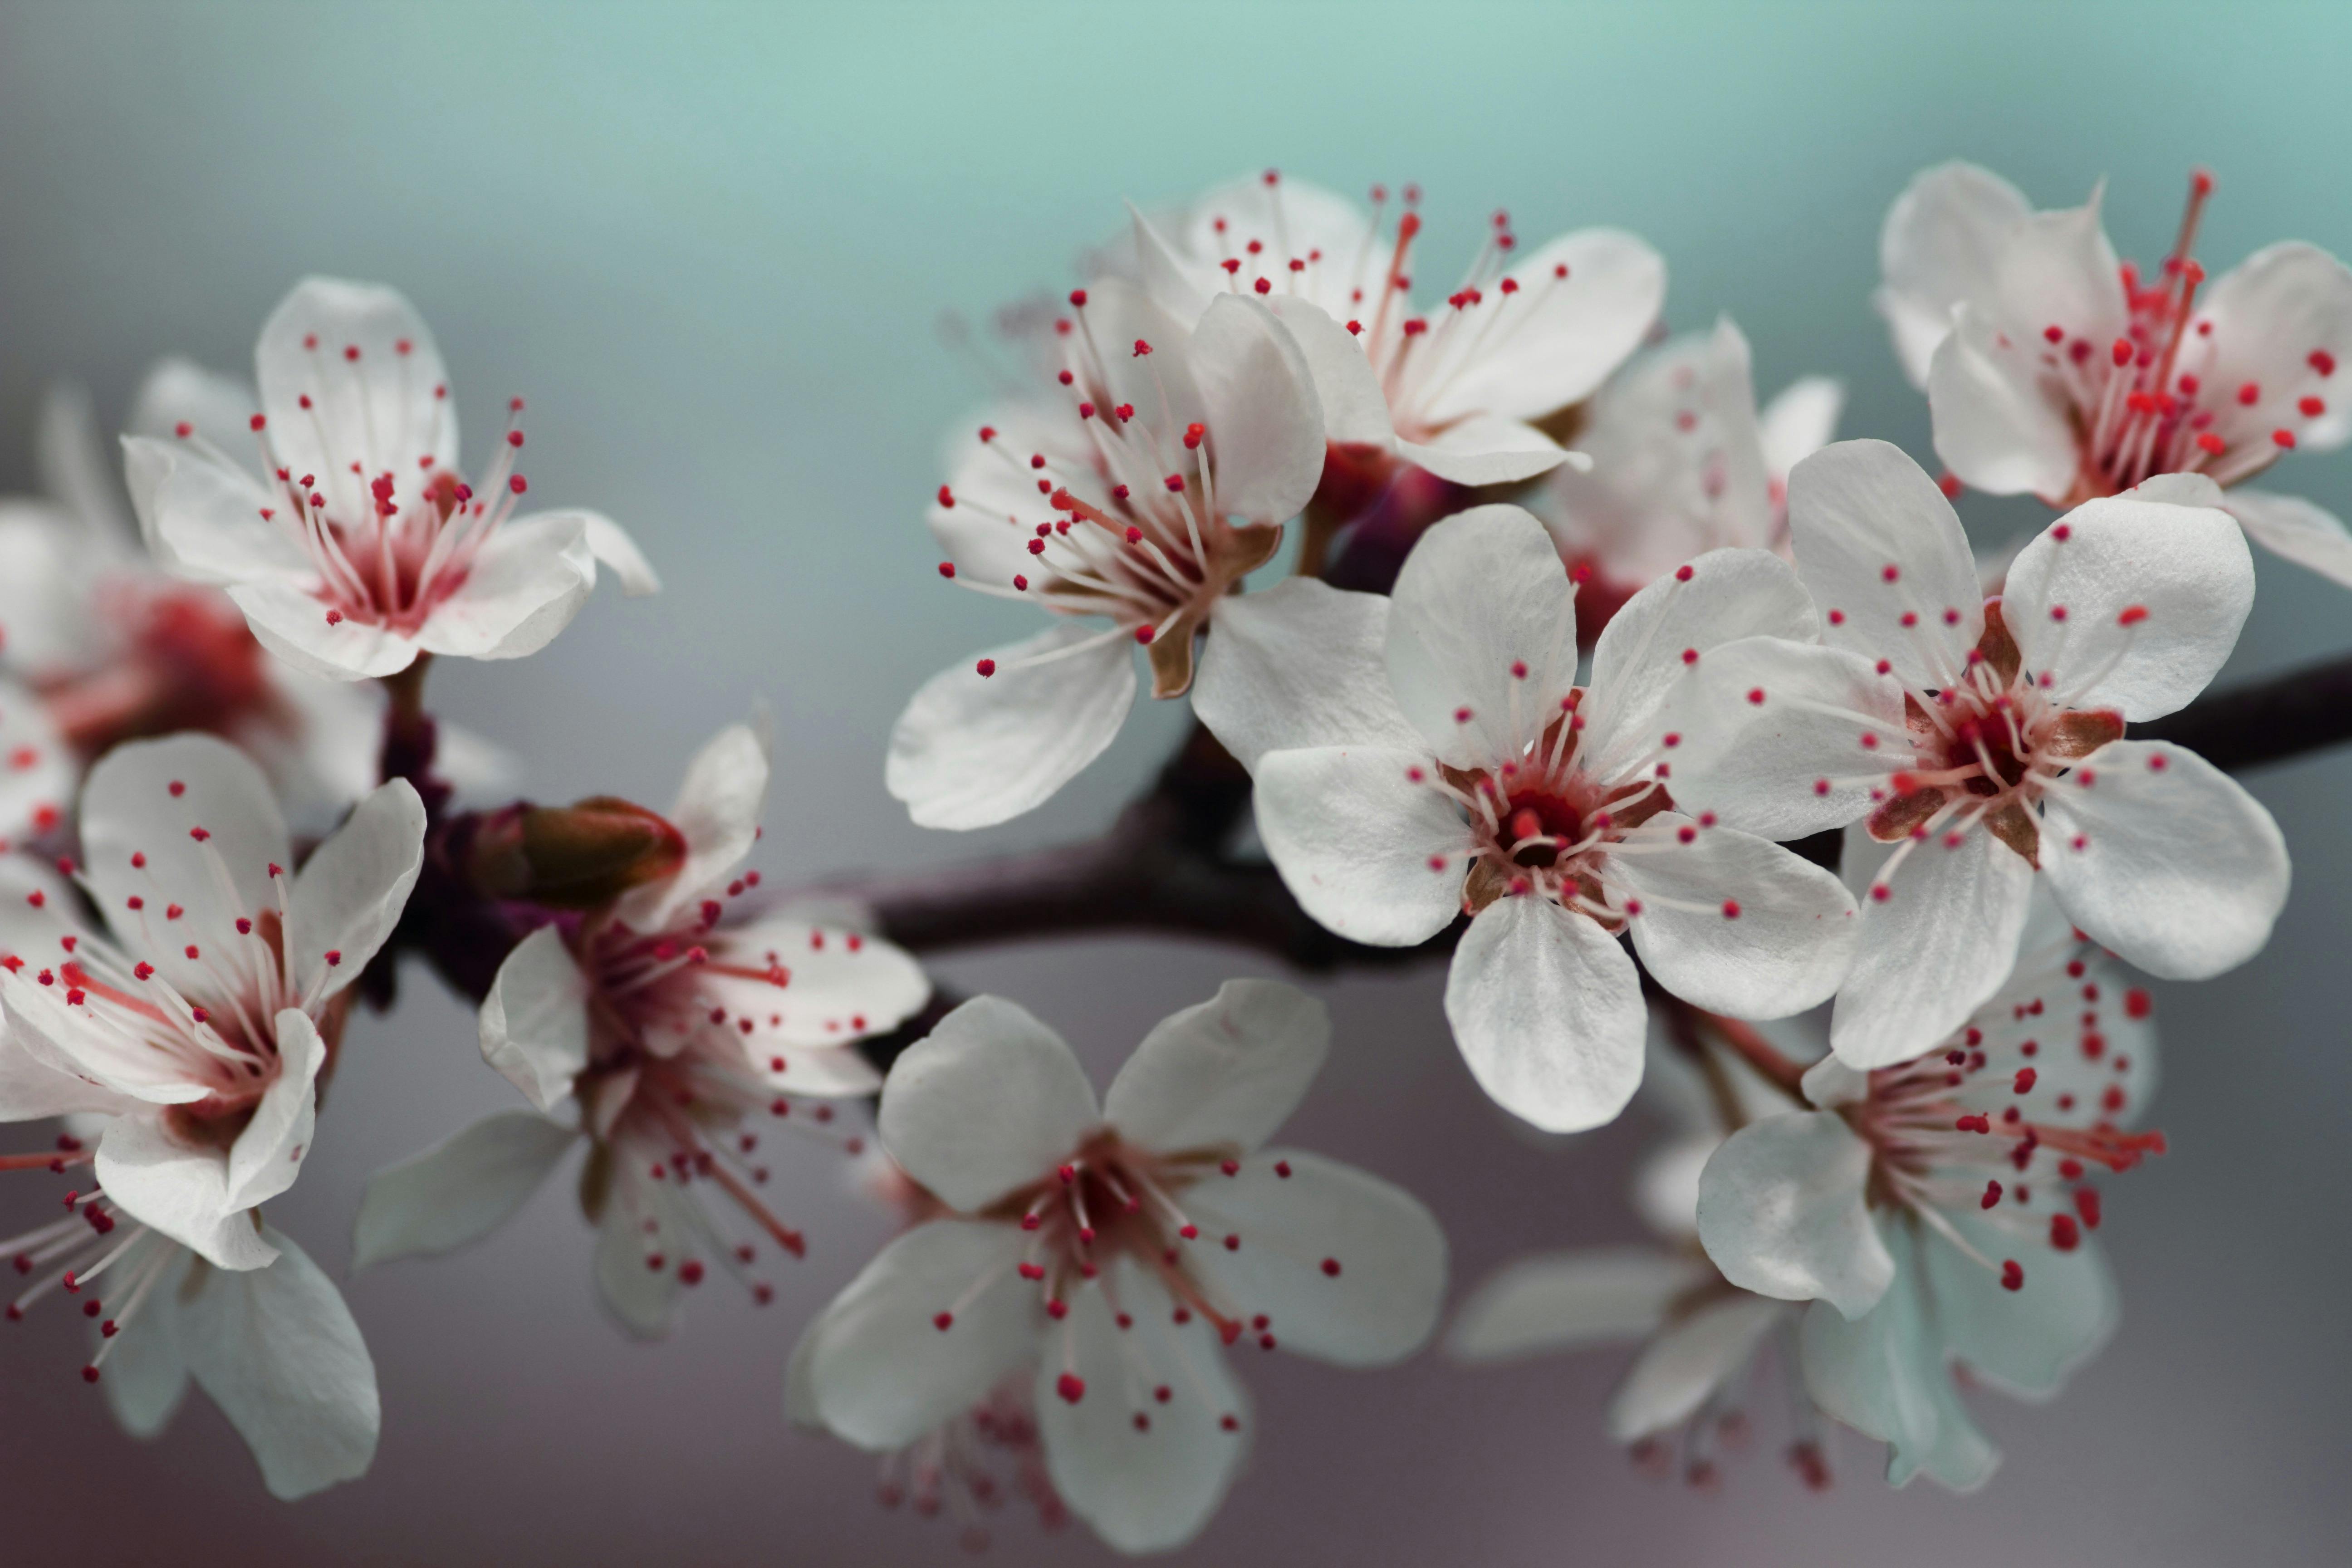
(2131,616)
(1032,1271)
(1682,575)
(334,957)
(987,666)
(1175,484)
(1143,635)
(2321,360)
(1756,695)
(2282,440)
(1193,433)
(690,1272)
(2137,1003)
(1070,1386)
(1332,1268)
(943,1321)
(2086,1204)
(184,430)
(2122,351)
(1979,1124)
(1077,299)
(1142,348)
(1992,1195)
(1230,1167)
(517,483)
(200,834)
(89,1374)
(2023,1082)
(1690,656)
(2013,1278)
(2064,1235)
(2312,408)
(1233,1244)
(1263,286)
(1414,327)
(2057,612)
(1282,1169)
(1356,329)
(2250,394)
(145,970)
(2209,443)
(2055,334)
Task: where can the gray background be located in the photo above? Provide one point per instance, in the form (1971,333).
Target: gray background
(710,246)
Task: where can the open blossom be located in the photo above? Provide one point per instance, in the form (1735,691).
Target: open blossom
(1683,463)
(1107,1251)
(1455,390)
(1138,496)
(203,1013)
(1983,738)
(1940,1209)
(361,546)
(678,1022)
(1429,755)
(2054,368)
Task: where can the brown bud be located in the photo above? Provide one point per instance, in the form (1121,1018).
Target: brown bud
(572,857)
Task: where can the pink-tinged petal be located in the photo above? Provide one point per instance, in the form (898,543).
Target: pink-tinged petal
(277,1350)
(1932,950)
(1482,635)
(1364,840)
(200,516)
(525,587)
(378,390)
(1798,422)
(1733,924)
(1653,645)
(879,1372)
(972,751)
(49,1036)
(351,891)
(1876,540)
(1342,1265)
(1355,409)
(147,800)
(1942,245)
(1559,337)
(2026,1342)
(182,1192)
(1148,1485)
(1228,1071)
(717,811)
(2307,534)
(292,623)
(1489,449)
(2273,314)
(839,985)
(534,1022)
(618,553)
(267,1154)
(1781,1211)
(1691,1359)
(989,1101)
(1803,758)
(2158,855)
(1547,1011)
(1266,424)
(1998,427)
(2059,271)
(1298,666)
(1566,1300)
(37,768)
(2130,603)
(458,1190)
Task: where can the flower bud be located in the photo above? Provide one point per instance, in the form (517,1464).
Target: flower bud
(574,857)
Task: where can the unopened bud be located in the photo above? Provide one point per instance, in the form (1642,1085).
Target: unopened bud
(574,857)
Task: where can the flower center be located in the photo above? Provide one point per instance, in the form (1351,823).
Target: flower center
(187,662)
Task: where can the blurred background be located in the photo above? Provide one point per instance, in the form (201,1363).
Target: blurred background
(712,245)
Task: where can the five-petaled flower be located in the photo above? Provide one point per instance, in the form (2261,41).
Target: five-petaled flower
(1111,1249)
(362,547)
(1983,739)
(2053,368)
(1430,754)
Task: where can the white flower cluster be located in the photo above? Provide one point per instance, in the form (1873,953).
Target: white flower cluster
(1529,638)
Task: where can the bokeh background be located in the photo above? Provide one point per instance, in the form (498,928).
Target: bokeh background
(713,245)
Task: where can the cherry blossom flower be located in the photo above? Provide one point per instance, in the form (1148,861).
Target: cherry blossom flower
(1108,1250)
(1983,739)
(676,1021)
(2053,368)
(363,547)
(1940,1209)
(1428,755)
(203,1014)
(1455,391)
(1155,482)
(1682,464)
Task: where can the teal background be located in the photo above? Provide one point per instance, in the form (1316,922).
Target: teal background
(713,245)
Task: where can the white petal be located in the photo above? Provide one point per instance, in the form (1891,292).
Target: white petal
(2160,856)
(34,1084)
(1558,339)
(45,559)
(1225,1072)
(1663,631)
(1998,426)
(1692,1358)
(1781,1211)
(1300,665)
(1482,635)
(1942,244)
(1859,510)
(72,460)
(267,1154)
(1364,840)
(1487,449)
(525,587)
(180,1192)
(200,516)
(383,409)
(989,1101)
(2304,533)
(292,623)
(717,811)
(1547,1011)
(534,1022)
(2269,313)
(176,391)
(37,768)
(1266,424)
(1566,1300)
(2182,573)
(145,1377)
(1800,422)
(1178,284)
(643,1300)
(458,1190)
(1931,951)
(1784,950)
(1342,1265)
(2059,271)
(1804,759)
(1664,1188)
(1150,1489)
(610,544)
(1885,1376)
(2031,1339)
(972,751)
(881,1373)
(47,1038)
(1355,410)
(351,891)
(277,1350)
(842,984)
